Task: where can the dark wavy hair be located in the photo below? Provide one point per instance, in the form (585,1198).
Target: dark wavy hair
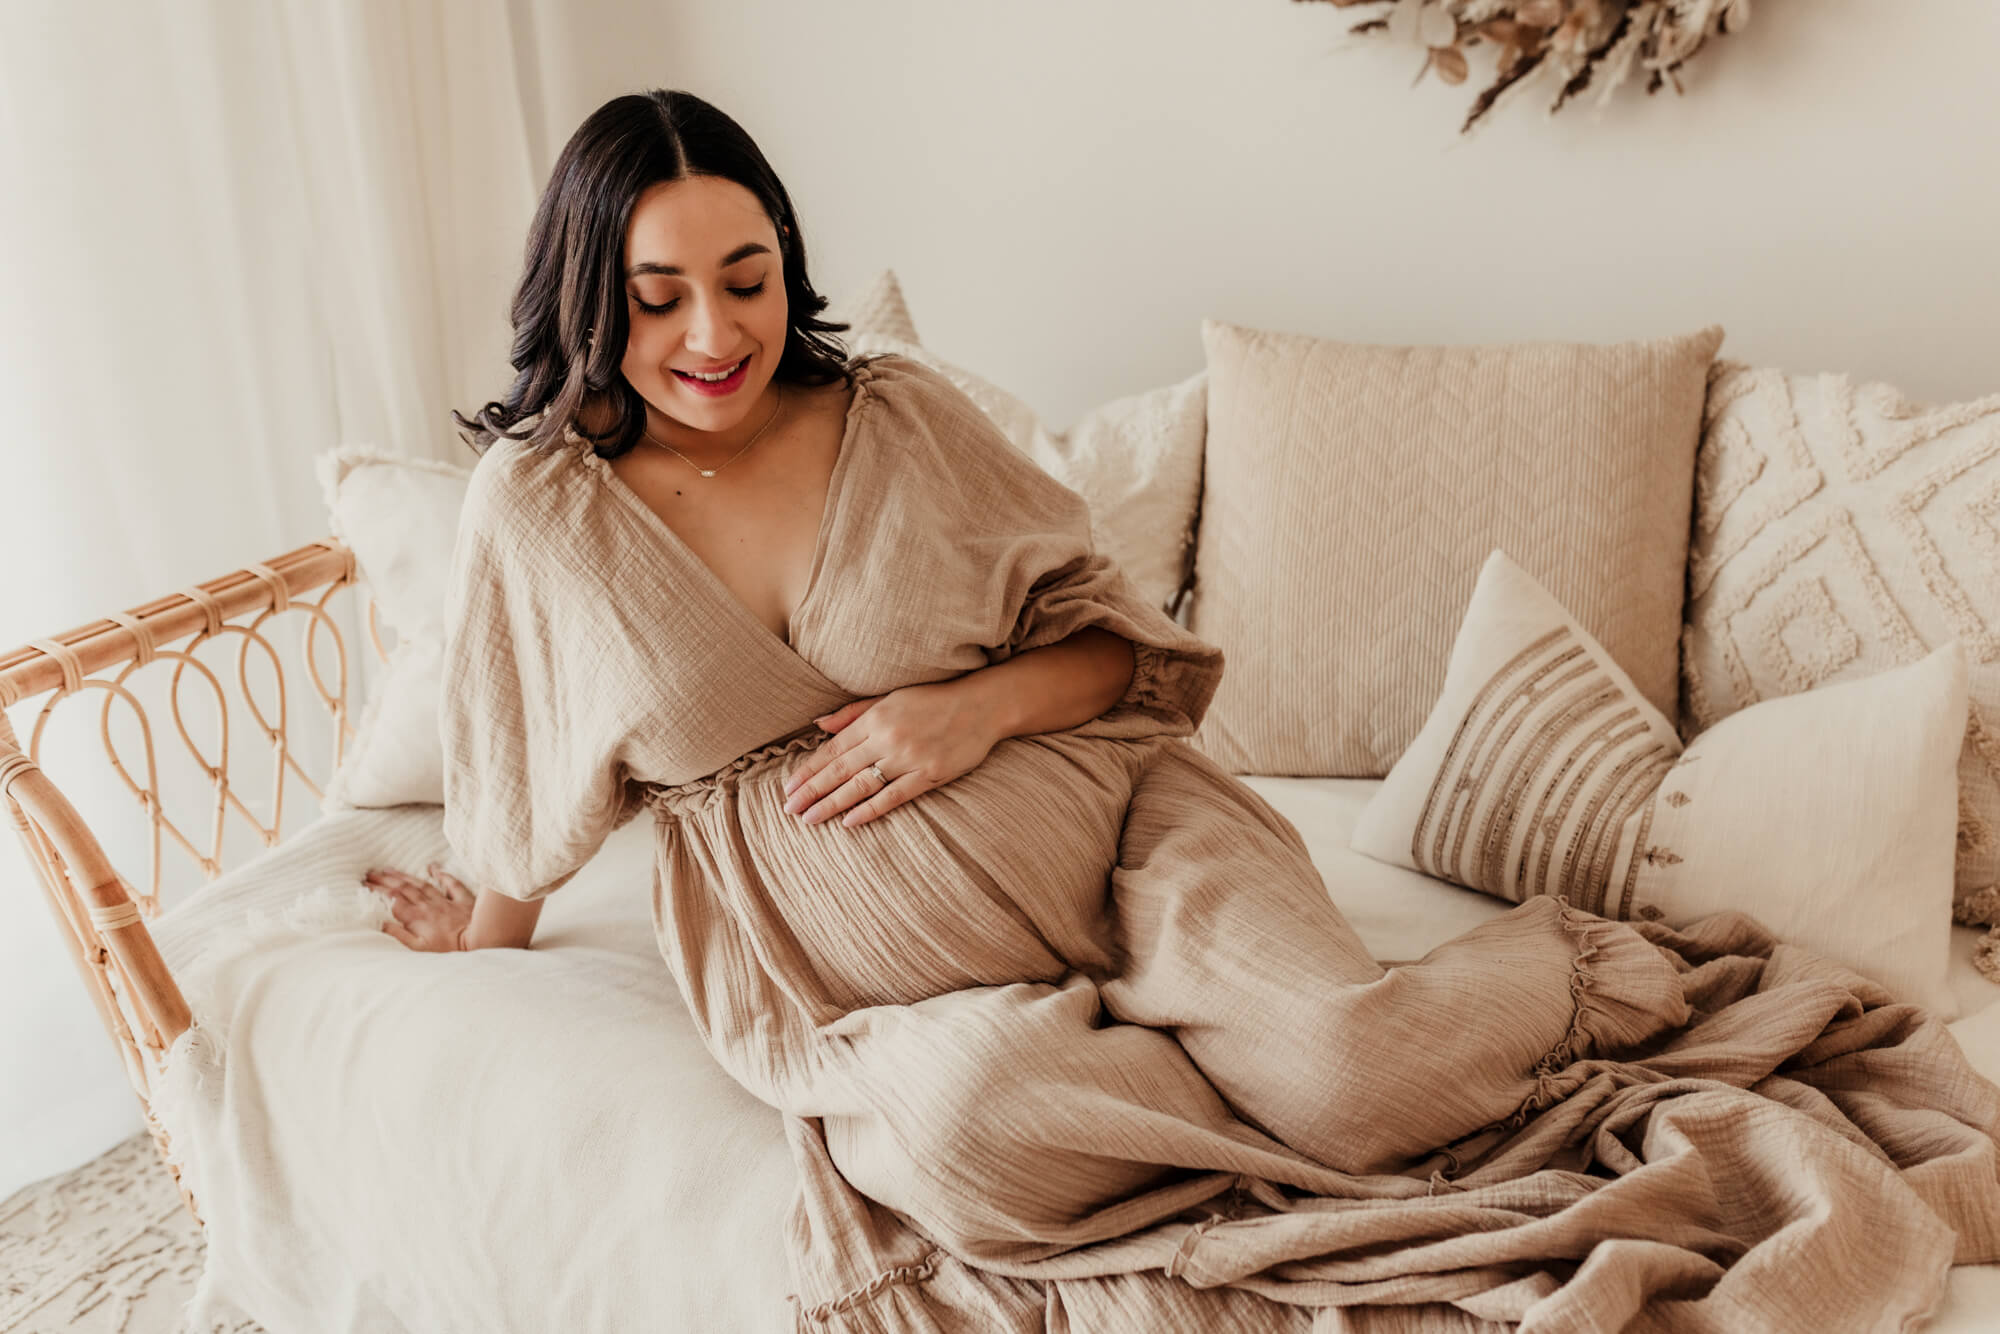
(573,278)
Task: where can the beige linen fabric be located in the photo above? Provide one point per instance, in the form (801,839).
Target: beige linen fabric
(1841,530)
(1079,1041)
(1827,816)
(1351,492)
(1135,460)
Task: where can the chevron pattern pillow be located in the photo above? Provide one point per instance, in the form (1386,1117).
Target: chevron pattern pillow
(1351,492)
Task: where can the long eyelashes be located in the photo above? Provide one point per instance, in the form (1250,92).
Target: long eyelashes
(740,293)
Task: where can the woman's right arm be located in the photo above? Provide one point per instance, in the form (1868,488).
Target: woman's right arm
(500,921)
(441,915)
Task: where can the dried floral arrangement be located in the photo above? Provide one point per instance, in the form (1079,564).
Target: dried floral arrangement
(1573,41)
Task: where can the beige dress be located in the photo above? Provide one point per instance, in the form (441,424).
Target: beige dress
(1078,1041)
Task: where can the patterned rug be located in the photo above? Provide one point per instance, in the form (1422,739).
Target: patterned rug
(105,1249)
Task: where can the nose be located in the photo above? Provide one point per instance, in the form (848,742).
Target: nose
(710,331)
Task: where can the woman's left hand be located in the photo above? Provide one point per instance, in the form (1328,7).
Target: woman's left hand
(923,736)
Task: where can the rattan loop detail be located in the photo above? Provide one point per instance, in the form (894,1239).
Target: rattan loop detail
(117,915)
(136,994)
(140,636)
(281,592)
(196,593)
(72,666)
(12,766)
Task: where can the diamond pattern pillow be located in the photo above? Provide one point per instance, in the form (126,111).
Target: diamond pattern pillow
(1841,530)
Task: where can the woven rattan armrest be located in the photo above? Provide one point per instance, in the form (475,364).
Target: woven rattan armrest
(101,919)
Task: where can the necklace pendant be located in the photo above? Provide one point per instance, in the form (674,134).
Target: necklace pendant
(706,472)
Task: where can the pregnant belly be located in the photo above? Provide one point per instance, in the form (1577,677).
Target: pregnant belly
(999,876)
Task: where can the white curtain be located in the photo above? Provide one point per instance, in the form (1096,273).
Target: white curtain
(231,236)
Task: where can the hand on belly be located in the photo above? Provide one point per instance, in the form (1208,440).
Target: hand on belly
(998,877)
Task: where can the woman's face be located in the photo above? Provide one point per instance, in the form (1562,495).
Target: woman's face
(705,293)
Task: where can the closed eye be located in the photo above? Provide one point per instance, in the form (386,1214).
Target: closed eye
(740,293)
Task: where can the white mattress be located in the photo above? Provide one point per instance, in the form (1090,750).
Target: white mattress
(690,1175)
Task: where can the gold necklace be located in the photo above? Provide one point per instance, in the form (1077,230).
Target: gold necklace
(647,436)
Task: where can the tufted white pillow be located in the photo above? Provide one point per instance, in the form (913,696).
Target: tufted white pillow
(399,514)
(1841,530)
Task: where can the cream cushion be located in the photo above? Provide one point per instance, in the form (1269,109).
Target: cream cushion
(399,515)
(1351,492)
(1135,460)
(1827,816)
(1841,530)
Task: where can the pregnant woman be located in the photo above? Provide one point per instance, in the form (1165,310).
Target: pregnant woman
(1065,1028)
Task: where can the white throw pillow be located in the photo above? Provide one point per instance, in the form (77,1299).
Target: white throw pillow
(1840,530)
(1829,816)
(399,514)
(1136,460)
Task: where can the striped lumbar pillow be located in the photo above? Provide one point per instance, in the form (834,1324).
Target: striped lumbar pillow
(1829,816)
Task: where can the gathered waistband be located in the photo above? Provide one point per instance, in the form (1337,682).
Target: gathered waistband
(699,793)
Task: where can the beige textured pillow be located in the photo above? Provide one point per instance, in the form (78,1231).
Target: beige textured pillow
(1351,493)
(1826,816)
(1841,530)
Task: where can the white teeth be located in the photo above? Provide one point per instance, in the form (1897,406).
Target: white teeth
(717,377)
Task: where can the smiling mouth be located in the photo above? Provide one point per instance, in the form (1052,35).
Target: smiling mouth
(725,380)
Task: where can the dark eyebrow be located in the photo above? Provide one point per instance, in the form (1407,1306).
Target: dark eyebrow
(741,252)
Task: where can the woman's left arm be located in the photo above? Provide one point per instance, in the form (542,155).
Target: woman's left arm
(1056,686)
(941,730)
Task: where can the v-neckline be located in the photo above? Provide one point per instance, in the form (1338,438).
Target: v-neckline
(822,539)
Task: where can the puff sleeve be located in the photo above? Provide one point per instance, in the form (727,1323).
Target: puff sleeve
(1025,540)
(534,779)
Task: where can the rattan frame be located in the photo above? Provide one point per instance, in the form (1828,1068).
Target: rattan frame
(100,917)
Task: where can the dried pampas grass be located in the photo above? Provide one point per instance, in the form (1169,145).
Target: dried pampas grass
(1573,42)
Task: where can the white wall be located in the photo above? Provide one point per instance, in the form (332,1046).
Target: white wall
(1067,186)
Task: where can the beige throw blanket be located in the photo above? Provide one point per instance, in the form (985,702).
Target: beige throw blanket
(1079,1042)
